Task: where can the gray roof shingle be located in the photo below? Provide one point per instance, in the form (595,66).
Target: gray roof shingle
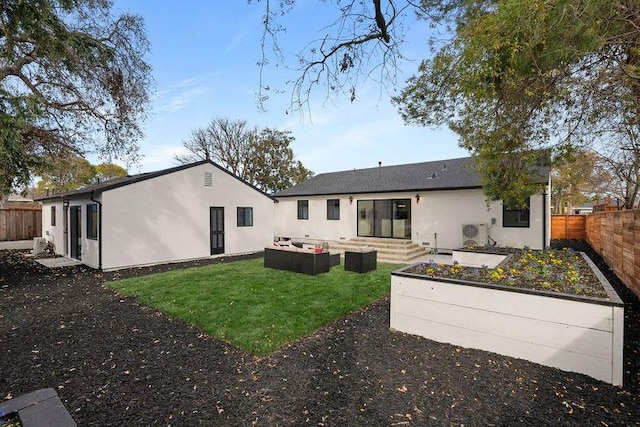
(130,179)
(117,182)
(436,175)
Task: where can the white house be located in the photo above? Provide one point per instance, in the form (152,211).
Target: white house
(186,212)
(438,205)
(584,209)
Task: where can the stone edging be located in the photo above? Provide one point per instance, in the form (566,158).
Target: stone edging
(41,408)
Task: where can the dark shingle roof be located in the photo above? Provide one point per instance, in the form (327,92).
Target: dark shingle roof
(130,179)
(437,175)
(118,182)
(442,174)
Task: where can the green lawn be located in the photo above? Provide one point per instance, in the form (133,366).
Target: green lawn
(256,308)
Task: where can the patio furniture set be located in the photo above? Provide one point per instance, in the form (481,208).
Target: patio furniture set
(314,260)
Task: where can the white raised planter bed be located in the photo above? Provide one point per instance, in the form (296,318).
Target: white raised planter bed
(572,333)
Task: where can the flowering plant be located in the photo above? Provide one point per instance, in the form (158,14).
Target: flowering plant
(551,270)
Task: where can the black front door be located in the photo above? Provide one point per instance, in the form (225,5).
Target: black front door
(75,228)
(216,220)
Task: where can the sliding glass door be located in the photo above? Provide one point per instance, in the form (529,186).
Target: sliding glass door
(365,218)
(402,219)
(385,218)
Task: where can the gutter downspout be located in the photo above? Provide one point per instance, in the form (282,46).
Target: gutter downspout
(99,229)
(65,225)
(544,219)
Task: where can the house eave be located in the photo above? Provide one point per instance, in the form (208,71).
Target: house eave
(402,190)
(140,178)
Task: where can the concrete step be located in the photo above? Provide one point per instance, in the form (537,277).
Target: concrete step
(388,249)
(379,245)
(410,251)
(381,242)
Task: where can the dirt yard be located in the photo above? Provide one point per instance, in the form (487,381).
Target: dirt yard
(115,362)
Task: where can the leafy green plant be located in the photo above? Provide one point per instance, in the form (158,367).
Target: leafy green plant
(551,270)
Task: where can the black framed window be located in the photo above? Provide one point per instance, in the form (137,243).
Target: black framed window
(245,217)
(385,218)
(92,221)
(53,216)
(333,209)
(303,209)
(516,217)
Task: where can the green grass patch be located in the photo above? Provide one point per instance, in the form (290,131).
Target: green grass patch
(256,308)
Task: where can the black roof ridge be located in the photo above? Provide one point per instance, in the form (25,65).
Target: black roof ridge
(395,166)
(143,176)
(434,175)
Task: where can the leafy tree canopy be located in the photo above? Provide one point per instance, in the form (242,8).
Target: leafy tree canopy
(513,78)
(73,80)
(262,158)
(522,76)
(107,171)
(72,172)
(581,177)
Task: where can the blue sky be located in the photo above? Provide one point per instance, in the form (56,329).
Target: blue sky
(204,55)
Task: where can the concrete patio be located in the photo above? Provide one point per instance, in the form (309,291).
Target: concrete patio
(58,262)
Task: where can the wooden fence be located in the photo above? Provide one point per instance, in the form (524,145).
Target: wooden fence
(20,223)
(568,227)
(616,237)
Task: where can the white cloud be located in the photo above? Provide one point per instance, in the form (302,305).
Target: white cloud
(179,95)
(182,100)
(234,43)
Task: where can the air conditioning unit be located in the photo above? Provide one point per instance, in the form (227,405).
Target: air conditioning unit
(474,235)
(39,243)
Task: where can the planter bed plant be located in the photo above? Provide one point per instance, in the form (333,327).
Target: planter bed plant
(550,307)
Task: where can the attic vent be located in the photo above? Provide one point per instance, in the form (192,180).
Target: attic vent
(444,167)
(208,179)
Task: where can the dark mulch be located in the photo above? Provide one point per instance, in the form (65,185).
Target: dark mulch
(115,362)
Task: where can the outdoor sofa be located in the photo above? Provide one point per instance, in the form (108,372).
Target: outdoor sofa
(291,258)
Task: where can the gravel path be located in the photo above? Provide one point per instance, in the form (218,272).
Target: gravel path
(115,362)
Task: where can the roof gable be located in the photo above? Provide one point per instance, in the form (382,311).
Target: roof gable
(131,179)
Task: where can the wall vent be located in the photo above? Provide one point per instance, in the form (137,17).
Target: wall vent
(208,179)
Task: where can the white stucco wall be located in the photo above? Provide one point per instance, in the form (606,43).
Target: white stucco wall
(441,212)
(53,234)
(287,224)
(89,255)
(89,247)
(166,218)
(444,212)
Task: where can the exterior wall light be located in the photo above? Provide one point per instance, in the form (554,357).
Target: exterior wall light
(417,198)
(350,200)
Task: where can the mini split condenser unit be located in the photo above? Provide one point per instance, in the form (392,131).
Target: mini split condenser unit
(39,243)
(474,234)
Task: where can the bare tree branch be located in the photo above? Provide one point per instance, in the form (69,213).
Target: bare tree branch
(362,42)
